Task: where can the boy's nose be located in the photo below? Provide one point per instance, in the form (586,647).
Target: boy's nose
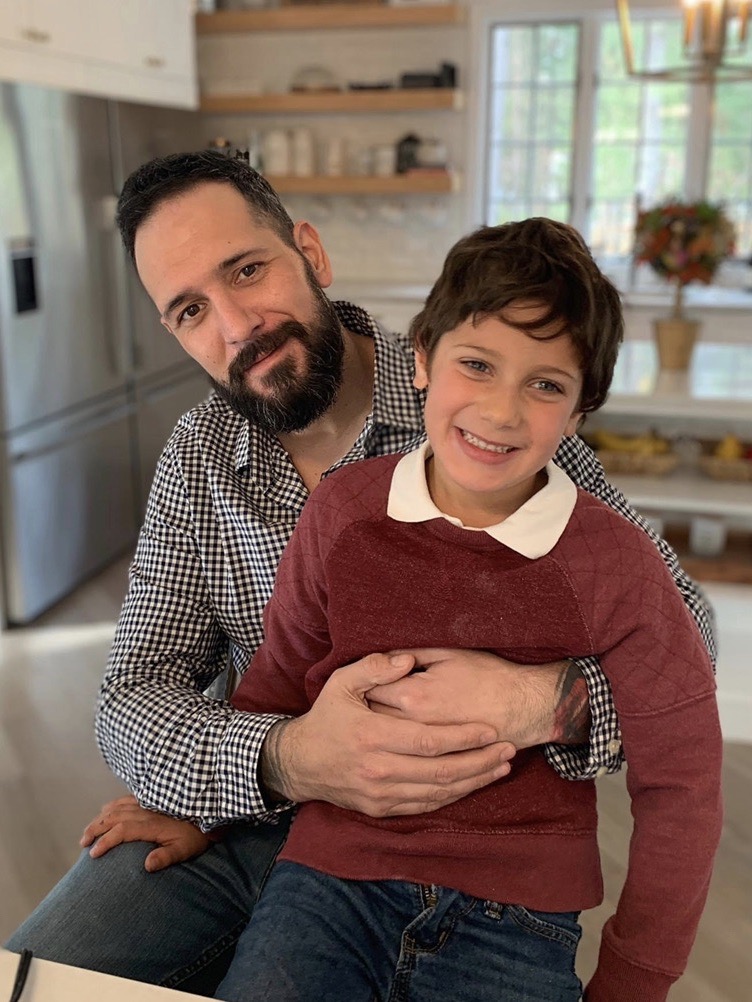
(501,410)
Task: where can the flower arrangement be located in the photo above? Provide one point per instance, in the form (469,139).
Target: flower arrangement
(684,242)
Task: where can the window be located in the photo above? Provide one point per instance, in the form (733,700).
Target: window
(572,137)
(534,90)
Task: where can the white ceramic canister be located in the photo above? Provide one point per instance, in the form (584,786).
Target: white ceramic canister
(303,156)
(333,156)
(384,160)
(275,151)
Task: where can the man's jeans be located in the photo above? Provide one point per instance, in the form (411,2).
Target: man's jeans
(314,938)
(176,927)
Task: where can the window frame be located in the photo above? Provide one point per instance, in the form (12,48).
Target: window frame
(589,15)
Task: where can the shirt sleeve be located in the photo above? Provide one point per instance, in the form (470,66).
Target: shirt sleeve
(603,754)
(179,751)
(296,627)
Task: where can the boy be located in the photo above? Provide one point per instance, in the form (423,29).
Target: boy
(477,538)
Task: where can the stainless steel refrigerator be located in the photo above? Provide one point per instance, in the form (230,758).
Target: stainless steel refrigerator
(90,383)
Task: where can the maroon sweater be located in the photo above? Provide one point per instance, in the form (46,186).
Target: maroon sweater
(353,581)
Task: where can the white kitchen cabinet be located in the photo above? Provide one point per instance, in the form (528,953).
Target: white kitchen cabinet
(136,50)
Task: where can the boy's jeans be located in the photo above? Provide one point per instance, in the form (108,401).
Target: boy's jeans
(314,937)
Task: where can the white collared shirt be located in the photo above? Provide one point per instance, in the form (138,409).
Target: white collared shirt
(532,531)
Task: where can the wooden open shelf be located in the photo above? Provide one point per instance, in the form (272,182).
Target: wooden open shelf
(325,16)
(733,566)
(354,101)
(437,183)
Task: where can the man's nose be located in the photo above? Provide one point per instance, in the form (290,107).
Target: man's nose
(238,323)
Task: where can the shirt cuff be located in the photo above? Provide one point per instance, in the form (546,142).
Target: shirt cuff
(603,754)
(239,795)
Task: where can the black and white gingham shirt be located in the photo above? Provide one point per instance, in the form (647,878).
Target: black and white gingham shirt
(223,505)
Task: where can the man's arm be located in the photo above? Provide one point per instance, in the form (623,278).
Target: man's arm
(197,758)
(568,707)
(177,750)
(527,705)
(579,461)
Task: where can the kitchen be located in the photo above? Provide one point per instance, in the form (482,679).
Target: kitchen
(390,275)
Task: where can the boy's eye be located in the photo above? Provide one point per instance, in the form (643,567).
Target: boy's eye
(475,364)
(547,386)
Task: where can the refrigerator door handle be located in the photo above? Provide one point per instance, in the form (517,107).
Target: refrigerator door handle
(119,350)
(73,432)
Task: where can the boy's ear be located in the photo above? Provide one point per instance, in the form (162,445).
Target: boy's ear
(574,423)
(308,242)
(420,382)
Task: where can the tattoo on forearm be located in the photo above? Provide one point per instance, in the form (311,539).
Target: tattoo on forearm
(271,771)
(572,714)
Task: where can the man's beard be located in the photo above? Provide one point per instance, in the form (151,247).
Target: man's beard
(293,398)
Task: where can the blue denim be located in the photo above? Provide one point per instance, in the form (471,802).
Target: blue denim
(315,938)
(177,927)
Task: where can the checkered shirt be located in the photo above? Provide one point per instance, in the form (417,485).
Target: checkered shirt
(224,502)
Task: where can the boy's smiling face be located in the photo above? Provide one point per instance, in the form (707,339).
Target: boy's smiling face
(499,402)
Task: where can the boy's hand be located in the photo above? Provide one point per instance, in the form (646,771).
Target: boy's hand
(124,820)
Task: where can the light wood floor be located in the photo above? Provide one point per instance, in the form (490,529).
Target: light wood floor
(52,779)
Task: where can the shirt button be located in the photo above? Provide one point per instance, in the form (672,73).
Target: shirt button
(602,770)
(614,747)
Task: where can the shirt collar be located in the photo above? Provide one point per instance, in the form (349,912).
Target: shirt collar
(532,531)
(395,403)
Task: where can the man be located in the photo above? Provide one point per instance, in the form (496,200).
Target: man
(302,387)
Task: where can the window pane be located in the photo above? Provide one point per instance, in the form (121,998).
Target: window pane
(730,172)
(531,125)
(512,55)
(730,177)
(557,53)
(512,114)
(641,135)
(553,115)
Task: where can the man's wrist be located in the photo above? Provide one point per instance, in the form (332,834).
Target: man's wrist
(274,779)
(571,718)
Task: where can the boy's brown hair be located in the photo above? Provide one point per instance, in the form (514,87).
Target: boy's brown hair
(536,261)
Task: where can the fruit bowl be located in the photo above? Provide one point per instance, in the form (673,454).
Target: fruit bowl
(726,469)
(729,459)
(637,463)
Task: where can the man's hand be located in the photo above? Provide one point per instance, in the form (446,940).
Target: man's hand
(526,705)
(343,753)
(124,820)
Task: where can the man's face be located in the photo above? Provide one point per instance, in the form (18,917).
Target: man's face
(245,305)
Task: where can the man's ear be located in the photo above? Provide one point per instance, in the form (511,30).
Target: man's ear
(308,242)
(420,382)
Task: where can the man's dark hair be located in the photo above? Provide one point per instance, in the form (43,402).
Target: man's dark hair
(536,261)
(163,178)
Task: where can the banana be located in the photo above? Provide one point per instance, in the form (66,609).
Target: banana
(648,444)
(729,448)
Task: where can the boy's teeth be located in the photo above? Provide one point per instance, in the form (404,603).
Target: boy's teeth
(480,444)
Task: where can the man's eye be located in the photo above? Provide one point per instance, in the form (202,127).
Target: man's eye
(249,270)
(189,313)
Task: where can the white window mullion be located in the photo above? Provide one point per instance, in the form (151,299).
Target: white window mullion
(584,126)
(698,141)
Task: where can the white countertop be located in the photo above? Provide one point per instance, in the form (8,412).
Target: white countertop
(49,982)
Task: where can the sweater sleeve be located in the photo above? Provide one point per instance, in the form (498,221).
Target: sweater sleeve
(664,691)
